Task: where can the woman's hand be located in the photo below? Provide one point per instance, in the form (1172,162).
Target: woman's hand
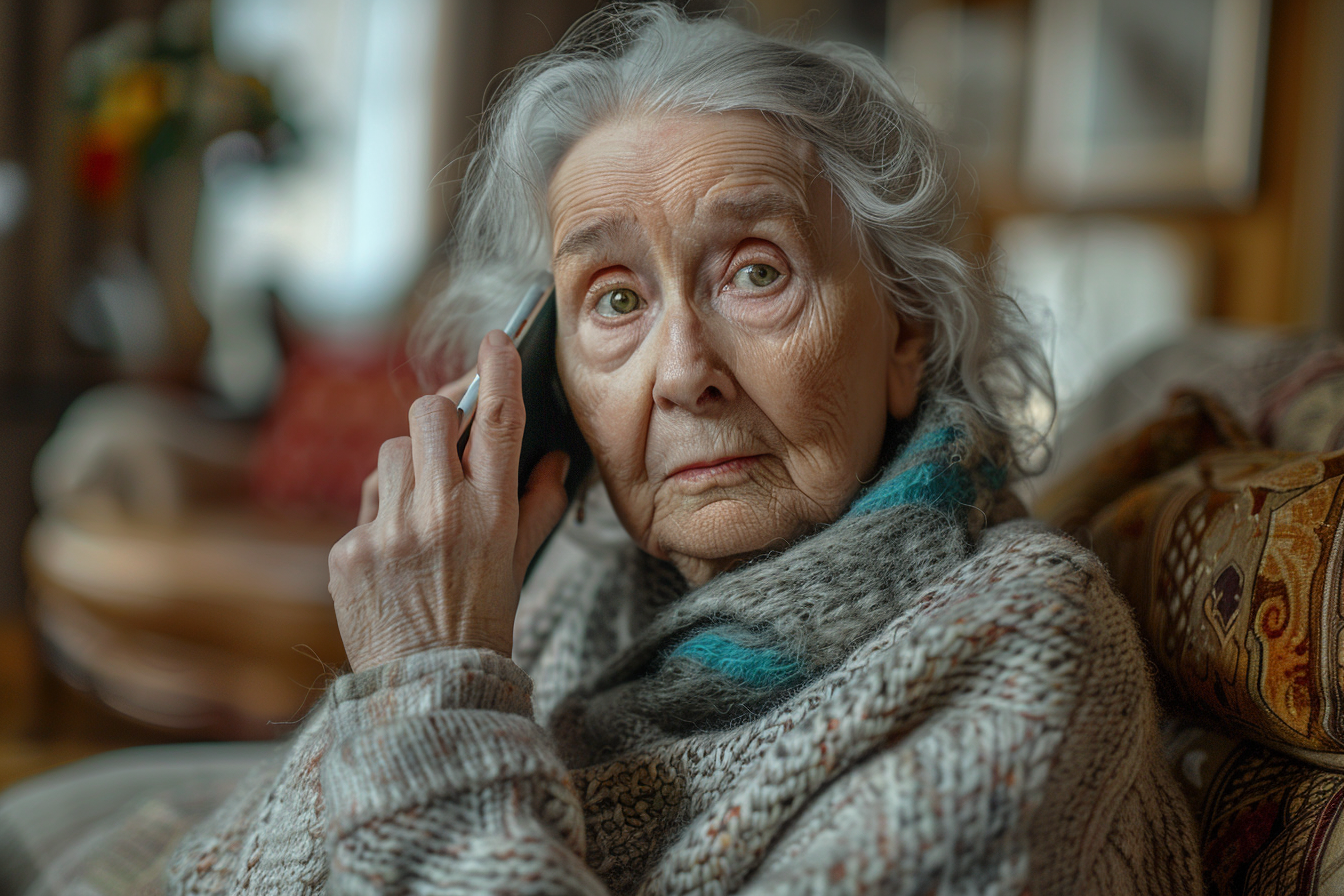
(438,556)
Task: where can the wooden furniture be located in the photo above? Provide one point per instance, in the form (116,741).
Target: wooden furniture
(43,723)
(216,624)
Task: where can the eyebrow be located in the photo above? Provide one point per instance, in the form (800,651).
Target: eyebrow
(766,206)
(760,207)
(594,235)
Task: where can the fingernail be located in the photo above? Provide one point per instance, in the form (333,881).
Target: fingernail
(497,339)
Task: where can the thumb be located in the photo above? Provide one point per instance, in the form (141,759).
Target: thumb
(540,509)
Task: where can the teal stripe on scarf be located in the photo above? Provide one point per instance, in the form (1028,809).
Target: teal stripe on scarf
(754,667)
(941,482)
(992,476)
(937,484)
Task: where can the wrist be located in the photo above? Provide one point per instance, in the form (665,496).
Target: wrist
(428,681)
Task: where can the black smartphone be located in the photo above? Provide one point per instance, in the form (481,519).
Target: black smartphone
(550,425)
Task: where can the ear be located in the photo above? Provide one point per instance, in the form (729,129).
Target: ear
(905,366)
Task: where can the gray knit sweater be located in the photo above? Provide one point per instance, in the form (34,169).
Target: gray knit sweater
(995,736)
(897,703)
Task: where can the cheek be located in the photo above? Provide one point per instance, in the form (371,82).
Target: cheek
(830,368)
(861,376)
(825,390)
(611,415)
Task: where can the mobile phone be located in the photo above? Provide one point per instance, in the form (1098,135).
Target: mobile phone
(550,425)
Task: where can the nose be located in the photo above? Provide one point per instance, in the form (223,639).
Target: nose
(690,372)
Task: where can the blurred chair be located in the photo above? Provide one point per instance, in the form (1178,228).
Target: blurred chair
(178,563)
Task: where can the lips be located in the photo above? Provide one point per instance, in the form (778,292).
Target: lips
(707,468)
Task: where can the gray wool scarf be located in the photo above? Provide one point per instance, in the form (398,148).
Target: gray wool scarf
(729,650)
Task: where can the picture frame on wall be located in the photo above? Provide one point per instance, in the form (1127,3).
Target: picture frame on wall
(1146,102)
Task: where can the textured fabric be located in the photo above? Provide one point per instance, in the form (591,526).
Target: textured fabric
(1233,564)
(112,817)
(1270,823)
(747,639)
(1191,425)
(1242,368)
(1229,548)
(1227,542)
(898,704)
(998,734)
(1231,556)
(1272,826)
(1305,411)
(1285,393)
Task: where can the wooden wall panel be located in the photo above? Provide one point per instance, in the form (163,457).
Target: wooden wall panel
(1271,263)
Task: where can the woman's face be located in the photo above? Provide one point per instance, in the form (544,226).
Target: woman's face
(720,340)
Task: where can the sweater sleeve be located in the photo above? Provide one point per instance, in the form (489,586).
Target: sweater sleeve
(438,780)
(422,775)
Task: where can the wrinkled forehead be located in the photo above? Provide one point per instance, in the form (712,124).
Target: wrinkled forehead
(700,167)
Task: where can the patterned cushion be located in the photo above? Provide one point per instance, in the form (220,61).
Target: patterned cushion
(1229,546)
(1233,563)
(1305,412)
(1270,825)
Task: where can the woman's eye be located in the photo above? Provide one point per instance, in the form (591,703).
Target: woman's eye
(617,302)
(756,276)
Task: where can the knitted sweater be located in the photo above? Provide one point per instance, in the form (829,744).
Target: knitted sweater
(897,703)
(997,736)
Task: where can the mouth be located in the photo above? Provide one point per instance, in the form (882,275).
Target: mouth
(719,471)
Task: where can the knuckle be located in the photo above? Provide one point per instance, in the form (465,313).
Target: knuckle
(394,450)
(428,408)
(505,415)
(351,553)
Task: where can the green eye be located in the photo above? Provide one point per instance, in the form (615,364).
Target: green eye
(756,275)
(617,302)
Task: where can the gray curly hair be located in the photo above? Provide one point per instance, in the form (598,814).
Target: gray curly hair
(875,149)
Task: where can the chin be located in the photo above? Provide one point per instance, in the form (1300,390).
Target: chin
(721,535)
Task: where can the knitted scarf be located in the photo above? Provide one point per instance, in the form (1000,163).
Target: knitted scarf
(729,650)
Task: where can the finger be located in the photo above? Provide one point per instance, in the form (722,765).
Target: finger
(434,460)
(394,474)
(540,509)
(457,388)
(368,499)
(497,434)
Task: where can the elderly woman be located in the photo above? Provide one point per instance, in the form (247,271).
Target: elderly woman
(825,659)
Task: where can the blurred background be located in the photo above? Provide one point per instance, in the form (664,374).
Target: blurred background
(218,218)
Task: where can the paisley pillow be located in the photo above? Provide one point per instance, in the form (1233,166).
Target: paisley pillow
(1234,563)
